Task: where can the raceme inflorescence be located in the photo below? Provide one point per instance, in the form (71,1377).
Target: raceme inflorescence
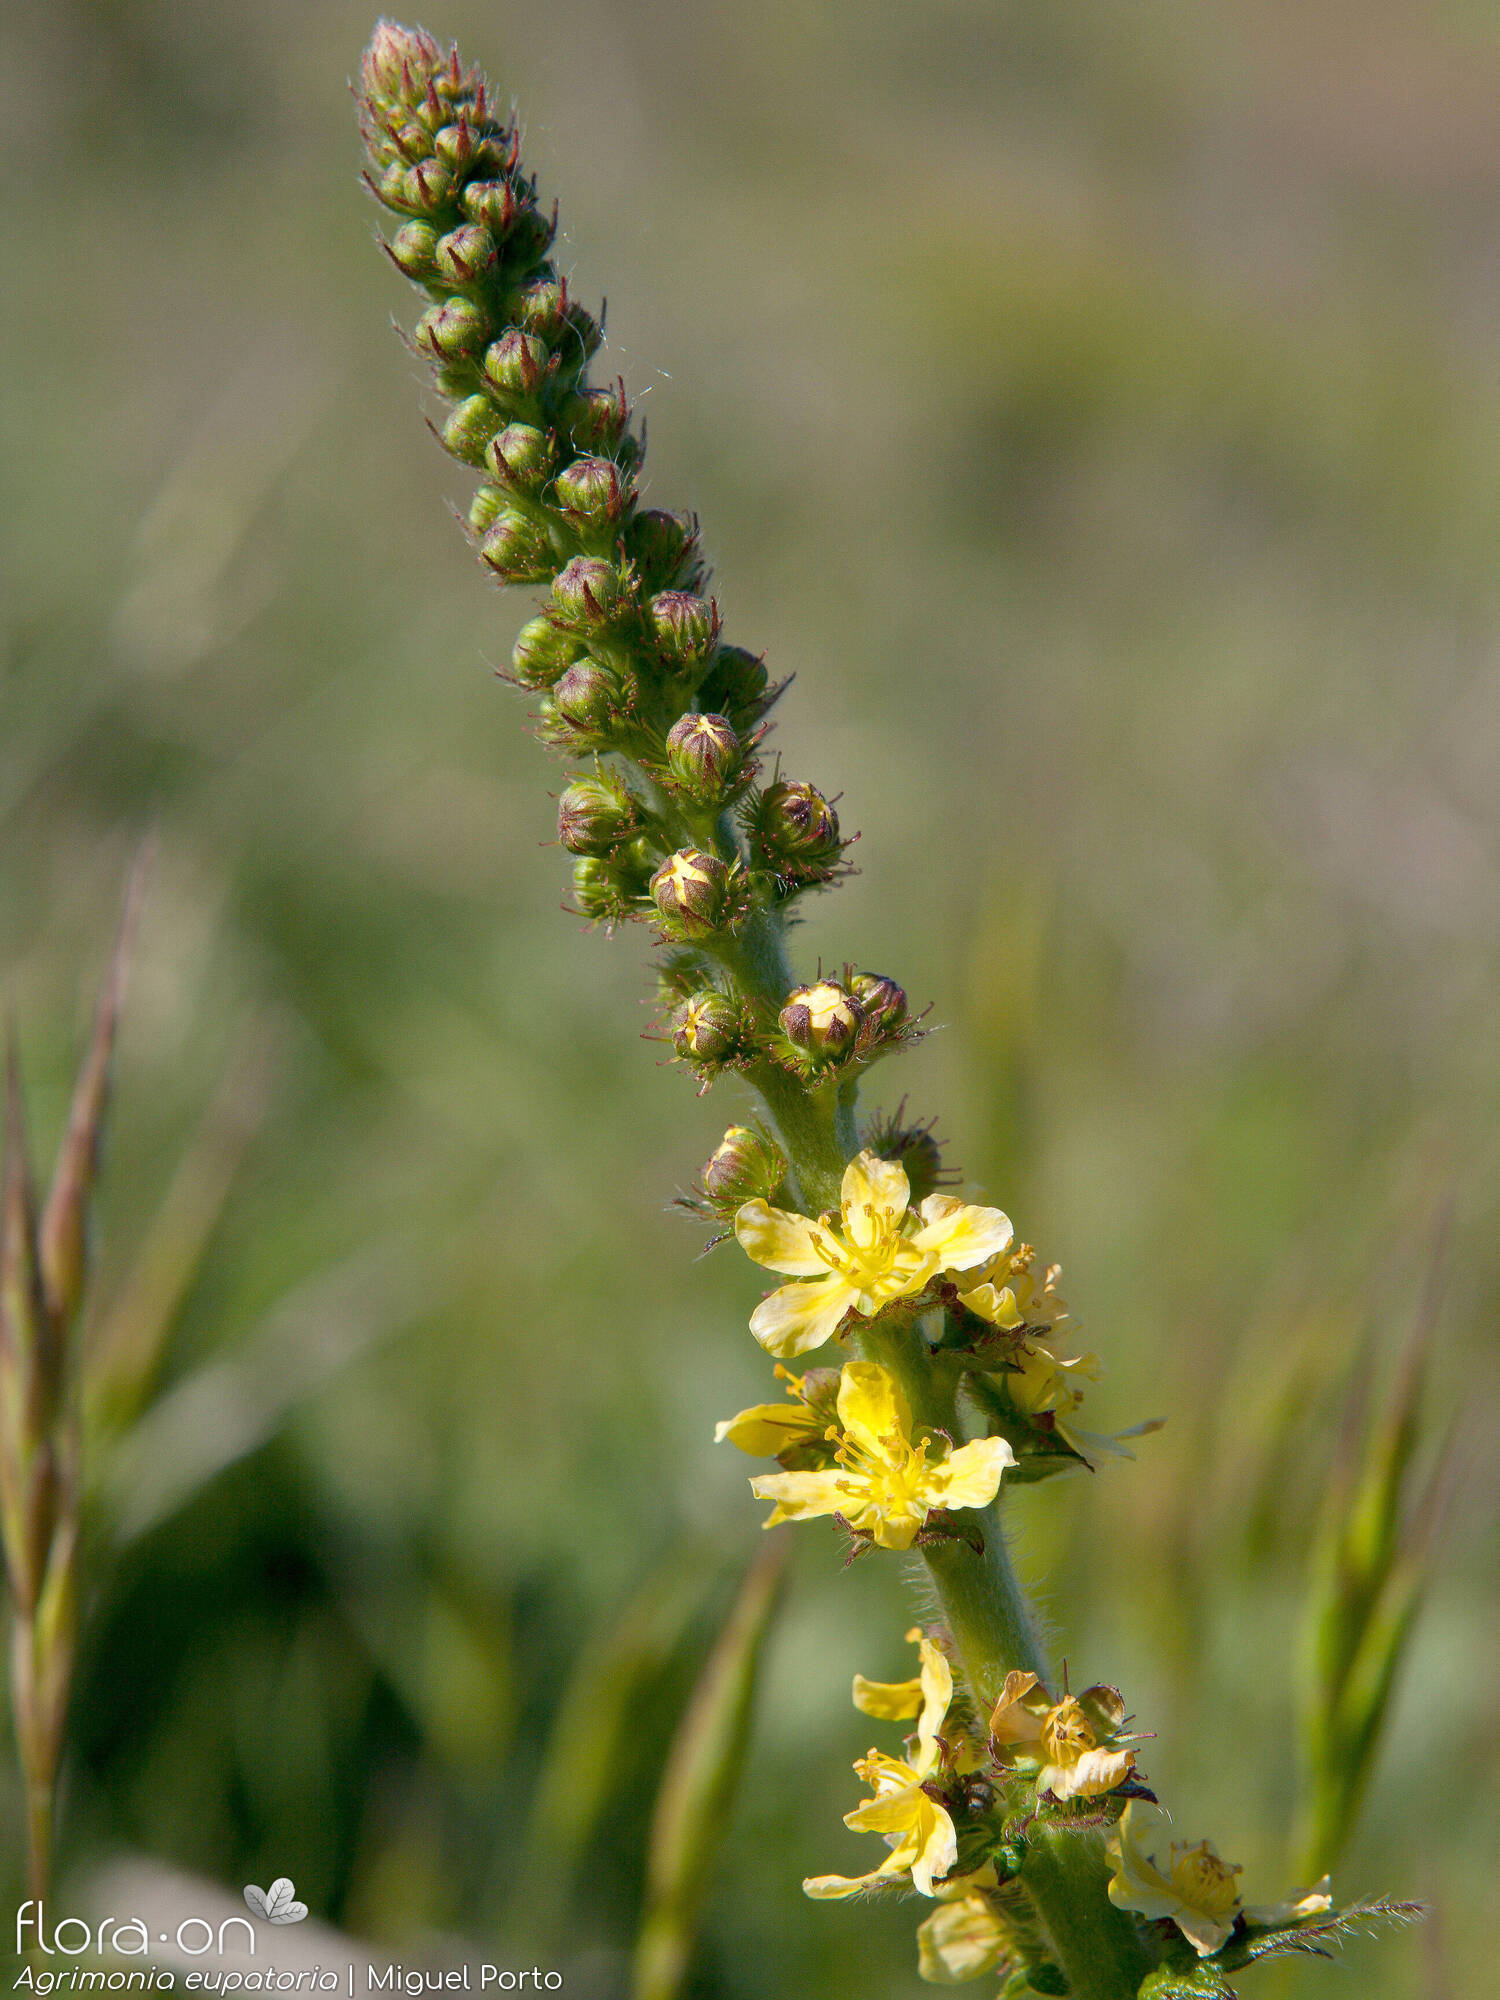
(1017,1811)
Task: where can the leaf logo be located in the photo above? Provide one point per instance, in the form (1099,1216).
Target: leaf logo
(278,1904)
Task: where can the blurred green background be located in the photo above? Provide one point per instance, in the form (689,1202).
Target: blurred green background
(1097,408)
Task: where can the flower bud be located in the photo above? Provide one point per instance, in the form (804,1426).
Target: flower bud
(517,549)
(516,363)
(589,697)
(663,547)
(466,255)
(531,233)
(587,591)
(594,815)
(882,1000)
(704,755)
(413,248)
(821,1020)
(468,428)
(522,457)
(540,307)
(797,831)
(590,490)
(706,1028)
(430,187)
(595,419)
(543,653)
(602,890)
(736,685)
(494,203)
(685,626)
(465,149)
(744,1166)
(691,890)
(914,1149)
(453,331)
(484,509)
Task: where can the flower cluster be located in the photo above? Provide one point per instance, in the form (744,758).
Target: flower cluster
(963,1367)
(669,824)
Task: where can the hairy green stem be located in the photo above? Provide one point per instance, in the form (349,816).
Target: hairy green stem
(1099,1948)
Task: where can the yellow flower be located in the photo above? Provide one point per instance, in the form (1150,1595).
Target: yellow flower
(1008,1292)
(884,1485)
(875,1252)
(1196,1889)
(1062,1738)
(916,1828)
(926,1697)
(773,1430)
(963,1939)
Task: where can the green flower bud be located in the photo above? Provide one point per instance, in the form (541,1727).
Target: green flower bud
(466,255)
(797,832)
(540,307)
(679,974)
(706,1028)
(543,652)
(594,815)
(596,419)
(522,457)
(821,1020)
(883,1001)
(531,233)
(705,756)
(456,330)
(604,891)
(735,685)
(914,1149)
(591,490)
(692,893)
(589,698)
(484,509)
(469,427)
(517,549)
(517,363)
(466,150)
(423,189)
(587,591)
(413,249)
(663,547)
(685,627)
(744,1166)
(493,203)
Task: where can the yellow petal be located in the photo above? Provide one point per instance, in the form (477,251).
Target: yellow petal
(1203,1932)
(781,1241)
(1089,1776)
(767,1429)
(799,1317)
(939,1852)
(1301,1903)
(888,1701)
(998,1307)
(891,1531)
(833,1888)
(871,1405)
(960,1236)
(971,1477)
(937,1693)
(872,1183)
(802,1496)
(1011,1723)
(960,1941)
